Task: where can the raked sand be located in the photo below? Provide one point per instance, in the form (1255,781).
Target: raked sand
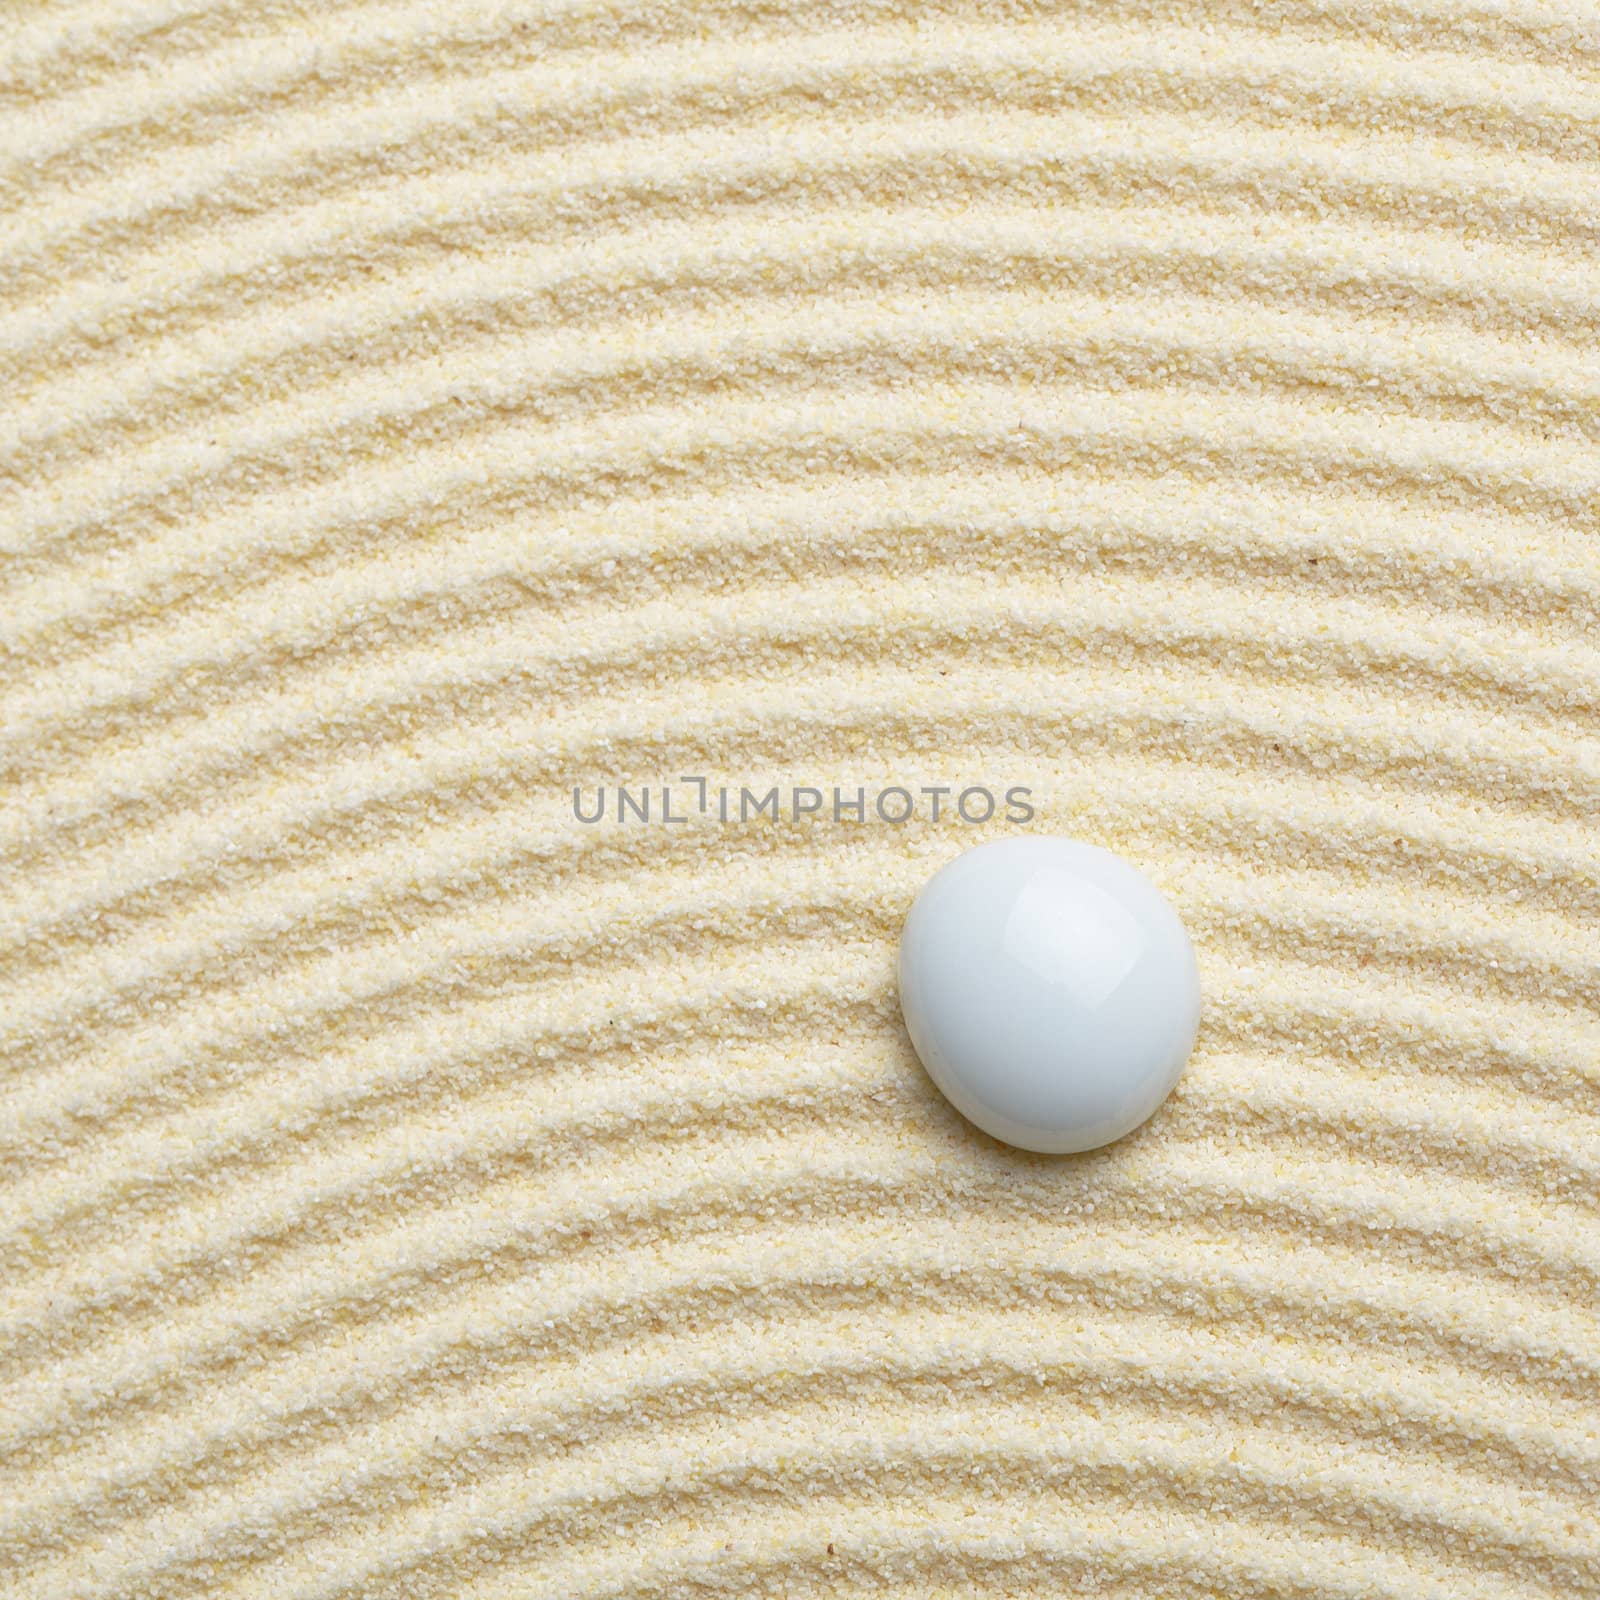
(1188,413)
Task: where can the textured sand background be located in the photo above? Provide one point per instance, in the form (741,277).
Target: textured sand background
(411,411)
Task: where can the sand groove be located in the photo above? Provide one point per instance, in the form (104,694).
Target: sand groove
(413,411)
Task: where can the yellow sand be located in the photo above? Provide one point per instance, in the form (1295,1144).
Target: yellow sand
(412,411)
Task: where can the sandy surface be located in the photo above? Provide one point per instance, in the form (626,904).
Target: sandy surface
(413,412)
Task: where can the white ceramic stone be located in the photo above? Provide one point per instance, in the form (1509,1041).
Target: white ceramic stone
(1050,991)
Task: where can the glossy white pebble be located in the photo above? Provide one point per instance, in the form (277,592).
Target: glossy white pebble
(1050,991)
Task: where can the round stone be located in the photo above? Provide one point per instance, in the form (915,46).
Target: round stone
(1050,990)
